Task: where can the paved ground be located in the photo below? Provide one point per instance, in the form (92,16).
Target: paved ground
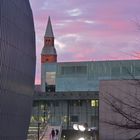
(47,135)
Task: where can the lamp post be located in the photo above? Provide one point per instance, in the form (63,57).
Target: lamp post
(38,123)
(38,132)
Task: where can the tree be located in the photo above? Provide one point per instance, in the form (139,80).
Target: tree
(125,105)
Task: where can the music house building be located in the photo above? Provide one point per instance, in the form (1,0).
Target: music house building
(17,68)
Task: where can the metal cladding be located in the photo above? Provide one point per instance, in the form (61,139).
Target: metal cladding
(49,53)
(17,68)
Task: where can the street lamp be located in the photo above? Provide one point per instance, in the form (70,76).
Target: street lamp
(81,138)
(82,128)
(75,126)
(79,127)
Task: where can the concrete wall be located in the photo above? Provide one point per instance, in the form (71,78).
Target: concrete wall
(125,90)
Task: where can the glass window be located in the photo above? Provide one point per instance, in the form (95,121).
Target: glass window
(48,103)
(115,71)
(94,121)
(81,69)
(126,70)
(74,118)
(70,70)
(50,78)
(76,103)
(94,103)
(137,70)
(97,103)
(65,119)
(56,103)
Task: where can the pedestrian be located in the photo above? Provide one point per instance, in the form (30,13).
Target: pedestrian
(56,132)
(52,134)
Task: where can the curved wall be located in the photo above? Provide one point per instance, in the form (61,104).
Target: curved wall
(17,68)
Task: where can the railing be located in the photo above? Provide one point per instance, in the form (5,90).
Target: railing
(43,133)
(36,131)
(60,131)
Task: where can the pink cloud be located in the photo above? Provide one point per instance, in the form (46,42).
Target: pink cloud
(113,34)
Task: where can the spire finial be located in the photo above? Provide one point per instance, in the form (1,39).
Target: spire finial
(49,31)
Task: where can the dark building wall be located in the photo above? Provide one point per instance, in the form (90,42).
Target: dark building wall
(17,68)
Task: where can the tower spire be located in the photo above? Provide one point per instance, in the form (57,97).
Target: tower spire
(48,54)
(49,31)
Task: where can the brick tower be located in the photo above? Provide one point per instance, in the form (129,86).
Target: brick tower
(48,61)
(49,54)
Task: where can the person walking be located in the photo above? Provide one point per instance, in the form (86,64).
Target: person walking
(52,134)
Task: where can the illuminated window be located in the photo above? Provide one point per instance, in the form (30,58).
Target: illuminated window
(97,103)
(65,119)
(94,103)
(50,78)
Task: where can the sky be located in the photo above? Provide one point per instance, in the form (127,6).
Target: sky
(89,30)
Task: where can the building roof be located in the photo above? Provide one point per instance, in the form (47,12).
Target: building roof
(49,31)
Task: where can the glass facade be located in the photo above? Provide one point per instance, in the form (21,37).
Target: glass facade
(66,111)
(86,76)
(17,68)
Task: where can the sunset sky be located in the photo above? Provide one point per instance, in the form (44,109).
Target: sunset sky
(89,30)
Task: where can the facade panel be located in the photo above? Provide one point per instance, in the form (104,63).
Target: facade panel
(17,68)
(89,74)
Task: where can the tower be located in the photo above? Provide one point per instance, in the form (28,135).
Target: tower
(49,54)
(48,60)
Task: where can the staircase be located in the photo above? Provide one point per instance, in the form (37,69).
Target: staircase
(44,133)
(33,131)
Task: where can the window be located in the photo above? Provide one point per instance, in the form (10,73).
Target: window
(76,103)
(70,70)
(126,70)
(50,78)
(74,118)
(56,103)
(94,103)
(81,69)
(94,121)
(48,103)
(115,71)
(50,88)
(137,70)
